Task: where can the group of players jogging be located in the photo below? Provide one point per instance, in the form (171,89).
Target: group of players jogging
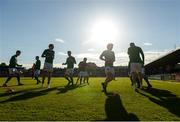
(136,67)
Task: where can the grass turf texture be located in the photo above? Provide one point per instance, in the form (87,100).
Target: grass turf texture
(87,102)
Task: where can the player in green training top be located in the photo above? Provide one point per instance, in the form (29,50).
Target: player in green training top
(37,67)
(70,61)
(13,71)
(48,54)
(135,64)
(83,73)
(109,57)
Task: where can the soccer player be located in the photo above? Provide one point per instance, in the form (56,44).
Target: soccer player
(13,71)
(48,54)
(144,76)
(135,64)
(37,67)
(83,71)
(70,61)
(109,57)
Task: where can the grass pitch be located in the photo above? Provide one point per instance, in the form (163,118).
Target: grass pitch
(87,102)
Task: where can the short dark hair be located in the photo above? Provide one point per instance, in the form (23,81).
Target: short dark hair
(18,51)
(109,45)
(37,56)
(132,44)
(68,51)
(50,45)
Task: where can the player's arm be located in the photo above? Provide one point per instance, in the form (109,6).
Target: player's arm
(129,66)
(128,51)
(79,64)
(65,62)
(14,61)
(53,55)
(142,54)
(36,64)
(39,63)
(19,65)
(43,54)
(74,61)
(113,57)
(102,57)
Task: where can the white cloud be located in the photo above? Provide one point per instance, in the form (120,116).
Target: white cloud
(86,42)
(58,65)
(147,44)
(123,58)
(153,55)
(87,55)
(91,49)
(27,65)
(122,54)
(59,40)
(62,53)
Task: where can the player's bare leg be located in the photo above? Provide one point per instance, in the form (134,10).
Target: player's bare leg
(77,80)
(8,79)
(134,80)
(108,79)
(49,79)
(87,79)
(71,79)
(147,81)
(43,77)
(81,80)
(84,79)
(37,79)
(67,78)
(140,80)
(18,79)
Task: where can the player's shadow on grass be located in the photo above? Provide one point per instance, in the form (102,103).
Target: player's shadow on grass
(29,95)
(68,88)
(16,92)
(115,110)
(163,98)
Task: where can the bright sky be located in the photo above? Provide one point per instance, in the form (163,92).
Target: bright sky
(86,26)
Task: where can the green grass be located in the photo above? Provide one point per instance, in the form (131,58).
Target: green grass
(31,102)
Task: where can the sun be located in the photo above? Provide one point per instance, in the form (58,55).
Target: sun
(103,31)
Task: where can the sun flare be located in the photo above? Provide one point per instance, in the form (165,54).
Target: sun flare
(103,31)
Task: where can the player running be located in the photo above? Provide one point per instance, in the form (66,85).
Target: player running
(135,64)
(13,71)
(109,57)
(144,76)
(83,74)
(48,54)
(37,67)
(70,61)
